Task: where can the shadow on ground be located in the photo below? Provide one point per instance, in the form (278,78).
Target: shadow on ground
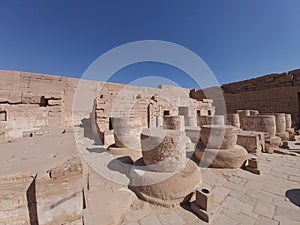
(294,196)
(88,131)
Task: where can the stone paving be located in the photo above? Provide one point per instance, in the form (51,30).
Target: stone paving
(242,197)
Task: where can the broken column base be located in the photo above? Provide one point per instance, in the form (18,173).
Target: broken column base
(284,136)
(292,137)
(166,189)
(224,158)
(204,215)
(290,130)
(271,143)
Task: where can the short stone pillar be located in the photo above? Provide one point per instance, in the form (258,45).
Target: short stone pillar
(127,132)
(173,123)
(218,148)
(253,166)
(233,120)
(204,206)
(163,150)
(281,126)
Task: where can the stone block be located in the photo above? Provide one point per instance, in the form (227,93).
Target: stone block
(205,199)
(69,167)
(253,163)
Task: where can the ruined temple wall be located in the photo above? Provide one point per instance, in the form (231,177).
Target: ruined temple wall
(268,94)
(281,99)
(147,104)
(34,104)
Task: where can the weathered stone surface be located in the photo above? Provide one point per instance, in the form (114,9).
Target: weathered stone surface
(167,189)
(163,150)
(233,120)
(252,141)
(127,132)
(218,137)
(211,120)
(69,167)
(227,158)
(174,123)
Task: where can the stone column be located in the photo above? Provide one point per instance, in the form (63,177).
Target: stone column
(233,120)
(267,124)
(218,147)
(281,126)
(174,123)
(127,132)
(163,150)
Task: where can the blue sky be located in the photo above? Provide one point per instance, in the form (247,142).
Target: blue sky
(238,39)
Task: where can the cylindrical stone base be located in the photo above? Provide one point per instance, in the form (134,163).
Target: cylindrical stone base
(229,158)
(165,189)
(266,123)
(233,120)
(218,137)
(163,150)
(127,132)
(173,123)
(284,135)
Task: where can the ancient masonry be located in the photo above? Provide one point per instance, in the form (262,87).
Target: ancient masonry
(161,125)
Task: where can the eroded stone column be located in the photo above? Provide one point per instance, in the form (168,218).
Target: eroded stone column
(267,124)
(218,148)
(174,123)
(218,137)
(281,126)
(289,129)
(233,120)
(127,132)
(164,176)
(163,150)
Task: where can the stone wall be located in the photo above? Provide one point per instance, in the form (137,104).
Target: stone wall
(268,94)
(148,104)
(34,104)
